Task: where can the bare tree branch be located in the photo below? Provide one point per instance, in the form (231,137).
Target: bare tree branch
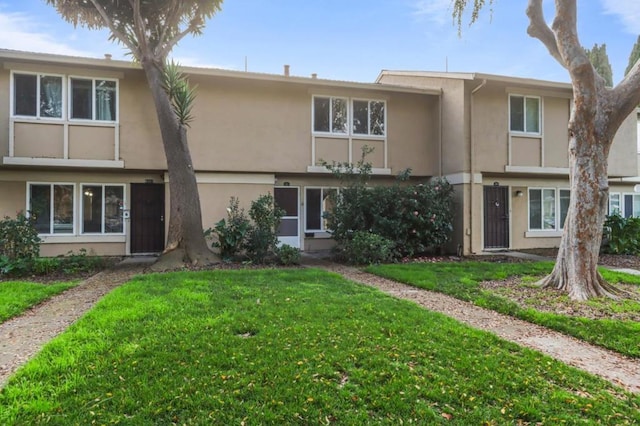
(539,29)
(627,94)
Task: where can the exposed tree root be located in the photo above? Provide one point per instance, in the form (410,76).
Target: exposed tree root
(584,288)
(170,260)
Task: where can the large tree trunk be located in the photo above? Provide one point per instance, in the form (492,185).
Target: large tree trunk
(576,270)
(185,238)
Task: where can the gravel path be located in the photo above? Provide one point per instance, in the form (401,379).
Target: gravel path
(22,337)
(615,368)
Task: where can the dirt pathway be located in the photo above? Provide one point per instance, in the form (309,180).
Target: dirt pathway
(23,336)
(617,369)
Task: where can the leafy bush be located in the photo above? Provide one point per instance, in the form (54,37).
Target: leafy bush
(288,255)
(621,235)
(232,232)
(367,248)
(415,217)
(19,244)
(262,238)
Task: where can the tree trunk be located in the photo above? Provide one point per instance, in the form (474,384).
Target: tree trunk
(185,238)
(575,271)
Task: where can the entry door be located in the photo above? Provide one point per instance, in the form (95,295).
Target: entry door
(496,217)
(147,218)
(288,199)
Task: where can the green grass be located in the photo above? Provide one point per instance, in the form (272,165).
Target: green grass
(18,296)
(291,347)
(461,280)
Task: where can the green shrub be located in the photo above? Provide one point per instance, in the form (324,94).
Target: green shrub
(262,237)
(416,218)
(231,233)
(19,244)
(621,235)
(287,255)
(366,248)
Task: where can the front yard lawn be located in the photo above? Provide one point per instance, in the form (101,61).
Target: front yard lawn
(18,296)
(613,324)
(292,347)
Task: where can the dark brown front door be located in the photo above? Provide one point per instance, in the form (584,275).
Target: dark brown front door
(496,217)
(147,218)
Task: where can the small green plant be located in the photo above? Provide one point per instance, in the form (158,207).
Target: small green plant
(366,248)
(621,235)
(231,233)
(19,244)
(262,237)
(288,255)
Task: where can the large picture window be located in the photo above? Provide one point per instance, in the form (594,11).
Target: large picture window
(524,114)
(342,116)
(51,206)
(548,208)
(37,95)
(102,209)
(317,202)
(93,99)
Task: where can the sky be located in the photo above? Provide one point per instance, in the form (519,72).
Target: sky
(348,39)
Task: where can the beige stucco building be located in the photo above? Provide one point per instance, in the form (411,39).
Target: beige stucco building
(80,148)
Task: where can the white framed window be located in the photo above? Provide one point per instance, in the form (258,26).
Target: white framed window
(368,117)
(37,95)
(318,201)
(345,116)
(102,209)
(525,114)
(548,208)
(615,203)
(93,99)
(52,207)
(330,115)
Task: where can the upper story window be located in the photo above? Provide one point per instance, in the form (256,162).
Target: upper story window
(37,95)
(524,114)
(368,118)
(93,99)
(343,116)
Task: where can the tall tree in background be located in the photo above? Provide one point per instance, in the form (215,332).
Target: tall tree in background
(150,29)
(600,61)
(634,56)
(598,112)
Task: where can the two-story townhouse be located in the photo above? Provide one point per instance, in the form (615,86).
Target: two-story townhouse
(80,147)
(505,147)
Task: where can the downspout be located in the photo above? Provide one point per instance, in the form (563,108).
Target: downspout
(472,171)
(440,133)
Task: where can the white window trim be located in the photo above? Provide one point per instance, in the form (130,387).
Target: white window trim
(620,203)
(330,132)
(75,206)
(349,133)
(323,188)
(102,221)
(93,100)
(557,231)
(368,135)
(540,115)
(37,117)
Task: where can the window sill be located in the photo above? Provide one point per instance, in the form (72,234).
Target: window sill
(319,235)
(525,134)
(71,239)
(62,162)
(543,234)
